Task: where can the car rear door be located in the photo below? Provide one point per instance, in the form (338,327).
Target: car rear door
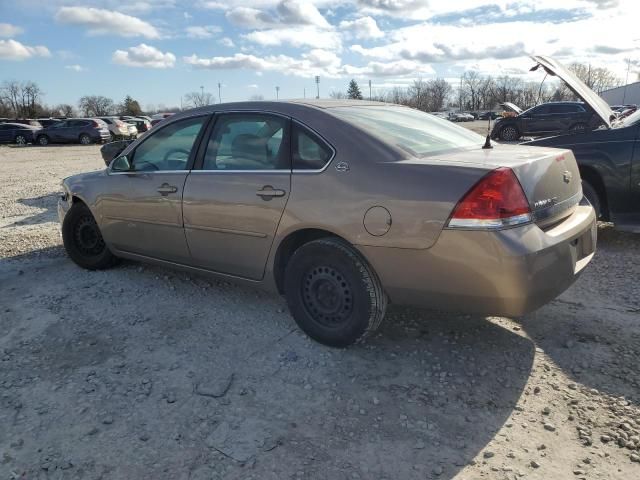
(536,120)
(141,208)
(234,199)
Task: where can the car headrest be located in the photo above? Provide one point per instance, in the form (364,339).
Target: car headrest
(249,146)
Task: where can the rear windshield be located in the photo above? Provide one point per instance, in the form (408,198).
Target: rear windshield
(414,131)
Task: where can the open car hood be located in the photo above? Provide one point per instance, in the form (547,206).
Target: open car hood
(588,96)
(511,107)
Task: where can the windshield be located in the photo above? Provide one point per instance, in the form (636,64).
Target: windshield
(415,132)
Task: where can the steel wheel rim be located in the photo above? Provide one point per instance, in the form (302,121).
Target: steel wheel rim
(327,296)
(87,236)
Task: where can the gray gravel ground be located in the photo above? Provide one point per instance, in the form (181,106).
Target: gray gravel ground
(145,373)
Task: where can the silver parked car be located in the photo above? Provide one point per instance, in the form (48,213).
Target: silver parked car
(342,206)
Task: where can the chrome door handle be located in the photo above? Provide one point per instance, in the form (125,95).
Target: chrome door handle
(268,192)
(166,189)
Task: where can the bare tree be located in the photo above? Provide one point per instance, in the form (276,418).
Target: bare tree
(64,110)
(95,105)
(198,99)
(256,98)
(21,98)
(438,92)
(337,95)
(418,92)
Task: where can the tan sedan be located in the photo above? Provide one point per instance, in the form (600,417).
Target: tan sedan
(342,207)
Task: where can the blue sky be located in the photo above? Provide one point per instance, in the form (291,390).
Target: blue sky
(159,50)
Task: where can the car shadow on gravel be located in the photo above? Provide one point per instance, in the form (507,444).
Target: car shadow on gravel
(47,203)
(144,372)
(592,332)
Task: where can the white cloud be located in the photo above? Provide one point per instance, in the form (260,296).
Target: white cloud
(8,30)
(14,50)
(253,85)
(144,56)
(106,22)
(362,28)
(287,12)
(227,42)
(302,36)
(202,31)
(315,62)
(75,68)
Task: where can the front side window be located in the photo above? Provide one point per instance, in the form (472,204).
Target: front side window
(169,148)
(309,151)
(248,141)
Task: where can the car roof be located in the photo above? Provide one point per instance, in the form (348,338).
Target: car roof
(17,124)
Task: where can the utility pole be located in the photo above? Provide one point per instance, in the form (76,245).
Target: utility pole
(460,94)
(369,90)
(277,92)
(219,93)
(626,81)
(201,91)
(304,92)
(318,86)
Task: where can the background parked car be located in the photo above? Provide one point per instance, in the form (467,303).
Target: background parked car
(460,117)
(17,133)
(487,115)
(47,122)
(142,125)
(545,119)
(119,130)
(74,130)
(26,121)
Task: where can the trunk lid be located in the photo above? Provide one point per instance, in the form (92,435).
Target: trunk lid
(549,176)
(591,98)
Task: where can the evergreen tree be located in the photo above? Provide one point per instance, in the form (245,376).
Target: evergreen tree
(354,91)
(131,107)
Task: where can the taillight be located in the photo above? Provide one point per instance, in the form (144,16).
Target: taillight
(496,201)
(96,124)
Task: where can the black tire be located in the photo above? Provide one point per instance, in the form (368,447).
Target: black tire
(333,294)
(20,140)
(43,140)
(593,197)
(83,241)
(84,139)
(509,133)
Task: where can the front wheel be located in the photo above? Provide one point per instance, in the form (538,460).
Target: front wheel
(333,294)
(83,241)
(509,133)
(43,140)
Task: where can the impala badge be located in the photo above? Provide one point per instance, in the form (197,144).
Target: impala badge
(567,176)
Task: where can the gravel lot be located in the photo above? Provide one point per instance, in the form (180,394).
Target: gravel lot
(145,373)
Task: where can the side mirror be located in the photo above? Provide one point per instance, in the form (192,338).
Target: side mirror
(121,164)
(111,150)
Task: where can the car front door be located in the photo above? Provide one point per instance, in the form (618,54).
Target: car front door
(141,209)
(535,120)
(233,202)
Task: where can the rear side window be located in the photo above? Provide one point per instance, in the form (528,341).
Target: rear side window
(169,148)
(540,110)
(309,152)
(248,141)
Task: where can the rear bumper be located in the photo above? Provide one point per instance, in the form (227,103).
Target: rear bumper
(508,272)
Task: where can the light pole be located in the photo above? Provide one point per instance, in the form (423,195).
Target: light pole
(626,81)
(201,90)
(369,90)
(277,92)
(318,86)
(219,93)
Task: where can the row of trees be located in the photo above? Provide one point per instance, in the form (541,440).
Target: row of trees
(25,100)
(477,92)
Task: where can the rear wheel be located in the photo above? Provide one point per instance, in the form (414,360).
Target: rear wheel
(333,294)
(83,241)
(593,197)
(21,140)
(43,140)
(85,139)
(509,133)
